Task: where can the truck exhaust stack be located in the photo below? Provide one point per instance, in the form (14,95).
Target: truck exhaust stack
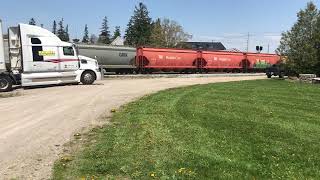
(2,60)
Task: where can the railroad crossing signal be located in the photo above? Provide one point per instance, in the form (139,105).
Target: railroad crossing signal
(259,49)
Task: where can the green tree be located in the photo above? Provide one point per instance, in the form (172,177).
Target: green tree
(85,38)
(299,43)
(173,33)
(76,40)
(61,31)
(317,44)
(54,27)
(116,33)
(67,36)
(32,21)
(157,38)
(104,36)
(139,28)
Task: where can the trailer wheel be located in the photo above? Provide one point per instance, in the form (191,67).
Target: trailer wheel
(281,75)
(88,77)
(5,84)
(269,76)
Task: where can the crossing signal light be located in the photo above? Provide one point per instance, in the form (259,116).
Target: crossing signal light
(259,48)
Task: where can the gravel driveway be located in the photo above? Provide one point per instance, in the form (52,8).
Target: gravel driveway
(35,125)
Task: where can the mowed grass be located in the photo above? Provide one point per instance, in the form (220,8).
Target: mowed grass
(239,130)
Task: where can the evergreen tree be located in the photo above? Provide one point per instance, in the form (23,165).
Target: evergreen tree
(157,38)
(85,38)
(299,44)
(32,22)
(61,31)
(116,33)
(104,37)
(139,27)
(130,33)
(54,27)
(75,40)
(66,36)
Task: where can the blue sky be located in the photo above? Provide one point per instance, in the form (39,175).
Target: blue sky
(228,21)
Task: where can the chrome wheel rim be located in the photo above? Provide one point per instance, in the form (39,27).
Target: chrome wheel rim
(87,77)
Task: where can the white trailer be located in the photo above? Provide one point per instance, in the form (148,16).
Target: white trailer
(34,56)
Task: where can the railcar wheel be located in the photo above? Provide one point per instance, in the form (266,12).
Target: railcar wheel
(88,78)
(5,84)
(281,75)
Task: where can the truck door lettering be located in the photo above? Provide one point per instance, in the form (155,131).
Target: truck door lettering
(47,53)
(123,54)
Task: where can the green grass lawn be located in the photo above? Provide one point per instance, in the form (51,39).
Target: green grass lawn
(249,130)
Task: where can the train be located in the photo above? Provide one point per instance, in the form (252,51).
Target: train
(115,59)
(128,60)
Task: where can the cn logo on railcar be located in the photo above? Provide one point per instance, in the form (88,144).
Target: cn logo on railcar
(123,54)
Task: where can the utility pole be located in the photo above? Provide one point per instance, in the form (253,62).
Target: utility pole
(268,48)
(248,40)
(212,44)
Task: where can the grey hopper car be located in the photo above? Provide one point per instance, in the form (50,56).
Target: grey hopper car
(111,58)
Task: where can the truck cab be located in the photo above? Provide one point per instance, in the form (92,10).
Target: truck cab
(35,56)
(275,70)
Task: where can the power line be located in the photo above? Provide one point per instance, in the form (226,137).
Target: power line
(248,42)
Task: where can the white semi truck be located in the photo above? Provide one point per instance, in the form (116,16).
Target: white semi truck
(33,56)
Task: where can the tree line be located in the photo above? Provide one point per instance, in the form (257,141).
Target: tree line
(141,30)
(63,32)
(301,44)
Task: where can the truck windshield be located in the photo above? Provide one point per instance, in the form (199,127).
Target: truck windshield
(68,51)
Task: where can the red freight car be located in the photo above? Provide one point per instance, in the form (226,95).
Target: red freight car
(224,61)
(261,60)
(237,61)
(155,59)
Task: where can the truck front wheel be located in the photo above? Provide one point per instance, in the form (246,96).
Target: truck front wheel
(5,84)
(88,77)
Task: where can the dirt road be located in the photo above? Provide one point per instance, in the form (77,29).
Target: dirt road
(35,125)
